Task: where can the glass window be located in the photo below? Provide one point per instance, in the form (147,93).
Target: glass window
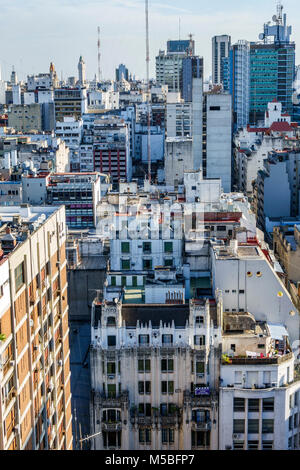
(239,426)
(239,404)
(168,247)
(253,426)
(111,340)
(253,405)
(167,365)
(125,247)
(267,426)
(19,276)
(125,263)
(144,339)
(268,404)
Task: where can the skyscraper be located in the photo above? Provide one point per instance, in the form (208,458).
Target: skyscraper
(220,49)
(35,405)
(272,68)
(236,74)
(122,72)
(192,67)
(169,64)
(81,71)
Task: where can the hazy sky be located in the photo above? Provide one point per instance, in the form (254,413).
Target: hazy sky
(35,32)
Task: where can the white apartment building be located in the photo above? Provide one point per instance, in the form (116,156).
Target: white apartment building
(249,283)
(258,397)
(219,138)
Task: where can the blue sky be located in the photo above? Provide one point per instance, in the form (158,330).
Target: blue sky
(39,31)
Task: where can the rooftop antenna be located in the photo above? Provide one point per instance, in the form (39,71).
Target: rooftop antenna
(148,89)
(99,55)
(179,27)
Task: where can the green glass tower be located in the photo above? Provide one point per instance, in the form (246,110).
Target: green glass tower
(272,68)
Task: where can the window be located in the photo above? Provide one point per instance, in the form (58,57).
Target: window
(238,404)
(253,405)
(19,276)
(125,263)
(199,340)
(111,340)
(168,262)
(253,426)
(268,426)
(144,339)
(145,436)
(167,387)
(237,445)
(239,426)
(147,264)
(200,367)
(125,247)
(111,390)
(111,321)
(168,247)
(111,368)
(144,387)
(146,247)
(252,445)
(167,365)
(144,409)
(267,445)
(268,404)
(215,108)
(144,365)
(199,321)
(167,436)
(167,339)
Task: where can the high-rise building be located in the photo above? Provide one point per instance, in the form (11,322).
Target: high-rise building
(35,405)
(122,72)
(70,102)
(81,71)
(272,68)
(112,148)
(220,50)
(169,64)
(192,67)
(236,80)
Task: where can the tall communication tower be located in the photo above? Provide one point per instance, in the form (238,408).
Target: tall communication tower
(99,55)
(148,90)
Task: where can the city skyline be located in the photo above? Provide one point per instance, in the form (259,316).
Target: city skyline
(121,42)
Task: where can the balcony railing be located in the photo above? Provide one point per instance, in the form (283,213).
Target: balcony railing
(111,427)
(201,426)
(10,396)
(257,360)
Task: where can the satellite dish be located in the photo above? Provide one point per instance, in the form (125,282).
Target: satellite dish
(261,36)
(274,18)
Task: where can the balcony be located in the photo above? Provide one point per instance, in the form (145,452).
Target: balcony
(10,396)
(106,401)
(195,401)
(201,426)
(111,427)
(257,360)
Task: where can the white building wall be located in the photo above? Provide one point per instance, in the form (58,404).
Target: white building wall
(218,141)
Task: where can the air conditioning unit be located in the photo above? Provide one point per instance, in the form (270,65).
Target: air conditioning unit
(60,362)
(31,322)
(236,436)
(111,377)
(16,428)
(11,363)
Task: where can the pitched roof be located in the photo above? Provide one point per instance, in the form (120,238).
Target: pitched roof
(282,126)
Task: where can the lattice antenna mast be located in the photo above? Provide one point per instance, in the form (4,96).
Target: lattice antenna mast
(99,55)
(148,90)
